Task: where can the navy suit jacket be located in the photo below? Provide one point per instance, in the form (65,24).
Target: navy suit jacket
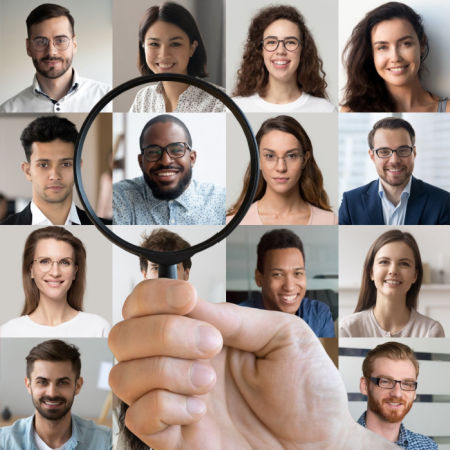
(25,217)
(427,205)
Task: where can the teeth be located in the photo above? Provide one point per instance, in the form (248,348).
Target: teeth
(165,66)
(281,63)
(394,282)
(166,174)
(397,69)
(289,298)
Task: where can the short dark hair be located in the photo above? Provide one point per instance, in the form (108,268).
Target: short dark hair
(391,123)
(163,240)
(54,350)
(47,129)
(275,239)
(48,11)
(182,18)
(391,350)
(164,118)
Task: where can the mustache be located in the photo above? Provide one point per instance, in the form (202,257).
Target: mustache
(51,58)
(169,167)
(394,400)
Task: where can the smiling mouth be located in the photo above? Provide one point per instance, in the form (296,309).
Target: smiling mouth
(165,66)
(53,403)
(54,283)
(390,282)
(395,171)
(398,70)
(288,299)
(280,63)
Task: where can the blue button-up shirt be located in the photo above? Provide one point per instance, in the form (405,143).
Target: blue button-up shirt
(407,439)
(394,214)
(200,204)
(86,435)
(315,313)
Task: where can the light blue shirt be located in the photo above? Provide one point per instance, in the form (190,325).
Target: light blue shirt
(86,435)
(394,214)
(200,204)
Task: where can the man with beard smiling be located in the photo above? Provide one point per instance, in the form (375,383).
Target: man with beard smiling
(389,380)
(396,198)
(53,380)
(57,87)
(166,193)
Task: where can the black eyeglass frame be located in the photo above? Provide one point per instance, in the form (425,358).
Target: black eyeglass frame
(376,380)
(165,149)
(395,150)
(278,44)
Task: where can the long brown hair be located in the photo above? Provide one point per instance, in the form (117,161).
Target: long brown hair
(76,291)
(365,90)
(253,75)
(368,292)
(310,184)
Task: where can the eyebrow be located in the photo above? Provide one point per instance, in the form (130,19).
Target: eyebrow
(158,39)
(47,159)
(398,40)
(284,270)
(287,37)
(401,259)
(46,379)
(392,378)
(287,151)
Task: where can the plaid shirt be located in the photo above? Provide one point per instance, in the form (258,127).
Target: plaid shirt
(407,439)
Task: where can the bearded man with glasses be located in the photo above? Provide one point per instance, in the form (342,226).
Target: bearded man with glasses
(389,380)
(396,198)
(166,194)
(57,87)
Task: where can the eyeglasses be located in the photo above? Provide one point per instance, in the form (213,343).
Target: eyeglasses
(272,160)
(45,264)
(61,43)
(271,43)
(175,150)
(385,152)
(389,383)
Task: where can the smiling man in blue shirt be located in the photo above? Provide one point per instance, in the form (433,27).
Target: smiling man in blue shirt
(53,380)
(280,273)
(166,194)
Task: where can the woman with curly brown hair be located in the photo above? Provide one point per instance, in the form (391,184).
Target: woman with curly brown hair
(384,61)
(290,190)
(281,70)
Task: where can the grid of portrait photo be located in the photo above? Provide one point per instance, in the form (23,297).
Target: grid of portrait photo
(224,224)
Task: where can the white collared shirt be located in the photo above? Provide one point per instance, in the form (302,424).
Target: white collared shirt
(39,218)
(81,97)
(394,214)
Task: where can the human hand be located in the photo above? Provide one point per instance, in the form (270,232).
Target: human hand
(199,375)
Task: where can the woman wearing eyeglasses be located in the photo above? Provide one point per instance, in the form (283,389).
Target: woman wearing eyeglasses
(54,279)
(290,189)
(281,70)
(170,42)
(390,286)
(384,60)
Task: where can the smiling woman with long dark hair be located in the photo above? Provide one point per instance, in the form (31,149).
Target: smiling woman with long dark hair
(384,60)
(388,297)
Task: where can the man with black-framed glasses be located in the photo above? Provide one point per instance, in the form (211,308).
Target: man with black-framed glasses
(166,194)
(397,197)
(57,87)
(389,380)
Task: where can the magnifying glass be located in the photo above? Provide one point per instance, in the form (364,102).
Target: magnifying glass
(167,261)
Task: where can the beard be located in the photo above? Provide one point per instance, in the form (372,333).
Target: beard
(56,414)
(168,193)
(380,409)
(51,72)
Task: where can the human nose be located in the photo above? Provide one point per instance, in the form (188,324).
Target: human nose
(393,268)
(165,157)
(289,282)
(394,157)
(55,173)
(397,390)
(55,270)
(281,47)
(281,164)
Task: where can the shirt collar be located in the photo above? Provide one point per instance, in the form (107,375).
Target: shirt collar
(402,434)
(75,83)
(39,218)
(406,191)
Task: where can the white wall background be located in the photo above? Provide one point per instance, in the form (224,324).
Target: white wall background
(93,28)
(320,17)
(324,148)
(13,393)
(97,298)
(436,19)
(429,418)
(208,132)
(207,273)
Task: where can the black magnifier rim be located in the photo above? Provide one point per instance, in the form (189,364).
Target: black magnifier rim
(175,257)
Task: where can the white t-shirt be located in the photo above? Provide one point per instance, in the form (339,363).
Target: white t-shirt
(82,325)
(41,445)
(305,103)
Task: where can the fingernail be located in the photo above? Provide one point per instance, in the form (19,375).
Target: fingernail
(177,296)
(208,339)
(202,375)
(195,406)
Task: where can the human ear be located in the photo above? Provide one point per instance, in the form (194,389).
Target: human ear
(78,385)
(25,166)
(258,278)
(363,386)
(194,46)
(193,157)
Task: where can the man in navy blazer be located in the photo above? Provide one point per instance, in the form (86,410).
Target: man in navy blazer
(396,198)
